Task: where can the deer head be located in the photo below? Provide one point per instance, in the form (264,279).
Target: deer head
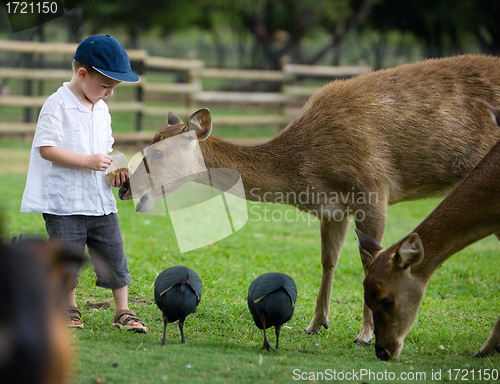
(392,291)
(173,158)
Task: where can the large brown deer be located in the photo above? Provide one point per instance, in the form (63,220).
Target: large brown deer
(381,138)
(398,277)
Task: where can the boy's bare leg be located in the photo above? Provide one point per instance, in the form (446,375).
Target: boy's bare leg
(121,302)
(72,303)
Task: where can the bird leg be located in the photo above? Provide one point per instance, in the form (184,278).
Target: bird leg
(266,342)
(278,330)
(181,327)
(165,322)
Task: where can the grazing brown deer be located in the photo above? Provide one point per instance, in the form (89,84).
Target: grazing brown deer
(398,276)
(356,146)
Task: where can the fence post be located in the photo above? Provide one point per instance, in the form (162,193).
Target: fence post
(139,116)
(28,86)
(193,78)
(283,107)
(139,67)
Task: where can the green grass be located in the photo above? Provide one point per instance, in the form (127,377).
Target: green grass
(223,344)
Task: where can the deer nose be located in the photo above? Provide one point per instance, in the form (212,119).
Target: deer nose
(381,353)
(123,190)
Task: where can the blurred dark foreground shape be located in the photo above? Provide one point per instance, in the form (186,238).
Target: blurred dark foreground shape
(35,344)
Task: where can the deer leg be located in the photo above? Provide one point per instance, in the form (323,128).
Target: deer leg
(371,223)
(492,345)
(277,330)
(333,234)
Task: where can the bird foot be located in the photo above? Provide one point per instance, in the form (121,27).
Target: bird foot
(267,346)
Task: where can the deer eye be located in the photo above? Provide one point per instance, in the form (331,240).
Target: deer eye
(157,154)
(387,303)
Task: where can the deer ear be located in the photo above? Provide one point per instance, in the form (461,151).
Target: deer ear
(368,247)
(201,122)
(173,119)
(494,112)
(410,252)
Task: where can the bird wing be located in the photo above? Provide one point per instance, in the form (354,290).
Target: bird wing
(290,288)
(195,282)
(177,275)
(170,277)
(270,282)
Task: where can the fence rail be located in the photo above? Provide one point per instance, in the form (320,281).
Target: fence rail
(189,91)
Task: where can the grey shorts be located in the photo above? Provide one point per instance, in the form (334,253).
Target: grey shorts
(103,238)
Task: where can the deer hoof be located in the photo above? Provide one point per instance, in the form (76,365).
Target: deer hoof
(365,336)
(315,325)
(360,342)
(485,353)
(311,331)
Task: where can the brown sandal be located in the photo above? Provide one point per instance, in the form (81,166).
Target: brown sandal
(124,317)
(74,314)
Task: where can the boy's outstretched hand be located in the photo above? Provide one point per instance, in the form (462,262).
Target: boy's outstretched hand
(119,179)
(97,162)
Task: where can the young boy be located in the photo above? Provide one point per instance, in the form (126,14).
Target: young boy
(66,179)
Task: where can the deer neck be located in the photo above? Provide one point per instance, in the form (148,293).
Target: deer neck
(264,168)
(469,213)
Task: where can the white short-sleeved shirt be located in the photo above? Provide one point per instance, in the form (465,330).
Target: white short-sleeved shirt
(52,188)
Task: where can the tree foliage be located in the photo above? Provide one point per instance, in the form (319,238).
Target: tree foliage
(280,27)
(443,26)
(277,27)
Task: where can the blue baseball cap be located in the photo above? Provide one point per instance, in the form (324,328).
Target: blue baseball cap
(106,55)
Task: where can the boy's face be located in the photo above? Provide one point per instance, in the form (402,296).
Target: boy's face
(96,86)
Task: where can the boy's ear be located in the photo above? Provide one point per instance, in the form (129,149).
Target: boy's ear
(82,73)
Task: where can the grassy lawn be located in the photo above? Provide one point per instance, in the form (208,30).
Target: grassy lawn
(223,344)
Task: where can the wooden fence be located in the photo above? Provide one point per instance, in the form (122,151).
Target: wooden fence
(280,102)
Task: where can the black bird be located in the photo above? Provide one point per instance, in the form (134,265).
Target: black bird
(271,300)
(177,294)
